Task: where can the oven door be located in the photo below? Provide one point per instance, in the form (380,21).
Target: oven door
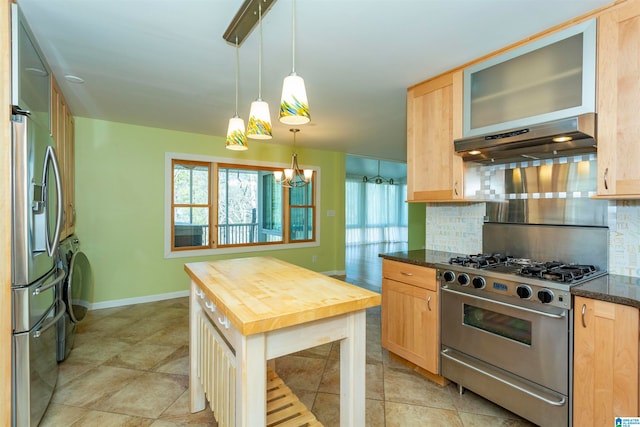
(529,343)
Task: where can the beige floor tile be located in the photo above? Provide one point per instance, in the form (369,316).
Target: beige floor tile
(414,389)
(98,350)
(476,420)
(95,384)
(176,334)
(330,382)
(176,363)
(301,373)
(104,324)
(69,370)
(141,356)
(148,396)
(404,415)
(327,411)
(107,419)
(62,415)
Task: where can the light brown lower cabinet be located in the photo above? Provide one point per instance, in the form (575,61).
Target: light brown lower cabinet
(410,315)
(605,362)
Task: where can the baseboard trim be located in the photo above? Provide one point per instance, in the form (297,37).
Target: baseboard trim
(137,300)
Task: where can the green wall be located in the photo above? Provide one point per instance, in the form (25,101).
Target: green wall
(417,225)
(120,205)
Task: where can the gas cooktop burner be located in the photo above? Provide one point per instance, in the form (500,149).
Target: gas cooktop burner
(546,270)
(479,260)
(557,271)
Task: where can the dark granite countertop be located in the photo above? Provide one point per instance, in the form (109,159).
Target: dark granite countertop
(612,288)
(423,257)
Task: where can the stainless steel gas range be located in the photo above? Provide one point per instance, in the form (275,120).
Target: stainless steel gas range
(507,315)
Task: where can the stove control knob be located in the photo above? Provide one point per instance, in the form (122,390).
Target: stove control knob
(448,276)
(463,279)
(523,291)
(545,296)
(478,282)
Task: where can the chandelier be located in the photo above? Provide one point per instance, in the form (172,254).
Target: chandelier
(294,176)
(377,179)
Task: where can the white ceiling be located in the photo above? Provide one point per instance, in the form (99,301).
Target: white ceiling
(163,63)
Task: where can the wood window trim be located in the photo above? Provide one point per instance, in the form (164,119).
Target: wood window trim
(208,205)
(215,164)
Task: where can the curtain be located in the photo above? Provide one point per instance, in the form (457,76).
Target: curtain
(375,213)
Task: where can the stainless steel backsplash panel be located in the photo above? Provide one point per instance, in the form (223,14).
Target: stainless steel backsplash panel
(553,191)
(579,211)
(568,244)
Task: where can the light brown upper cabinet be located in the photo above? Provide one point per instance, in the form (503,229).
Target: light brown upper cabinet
(62,131)
(434,120)
(618,101)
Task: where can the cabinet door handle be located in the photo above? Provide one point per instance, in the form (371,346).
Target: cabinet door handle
(406,274)
(455,188)
(584,309)
(606,175)
(429,303)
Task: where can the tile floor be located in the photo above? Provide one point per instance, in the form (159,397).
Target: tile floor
(129,367)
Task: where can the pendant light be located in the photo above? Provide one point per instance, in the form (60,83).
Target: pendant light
(294,176)
(294,107)
(236,136)
(259,126)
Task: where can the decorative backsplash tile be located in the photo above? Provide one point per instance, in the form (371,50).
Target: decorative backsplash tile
(455,227)
(458,228)
(624,237)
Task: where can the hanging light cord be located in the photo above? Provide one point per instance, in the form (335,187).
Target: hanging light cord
(237,73)
(293,41)
(260,52)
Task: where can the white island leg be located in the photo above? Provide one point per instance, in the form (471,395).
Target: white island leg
(196,391)
(251,383)
(353,361)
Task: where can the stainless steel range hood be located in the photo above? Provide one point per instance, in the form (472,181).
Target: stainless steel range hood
(558,138)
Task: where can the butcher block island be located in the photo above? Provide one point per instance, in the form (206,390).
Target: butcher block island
(246,312)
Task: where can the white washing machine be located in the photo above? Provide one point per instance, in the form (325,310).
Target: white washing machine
(75,291)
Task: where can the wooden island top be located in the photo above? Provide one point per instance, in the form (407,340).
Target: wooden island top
(262,294)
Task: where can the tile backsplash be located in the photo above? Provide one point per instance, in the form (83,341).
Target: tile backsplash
(624,237)
(455,227)
(458,228)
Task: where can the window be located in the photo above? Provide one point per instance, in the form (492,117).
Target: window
(241,203)
(375,212)
(191,214)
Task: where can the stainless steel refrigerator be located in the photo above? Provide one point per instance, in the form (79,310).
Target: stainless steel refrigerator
(37,202)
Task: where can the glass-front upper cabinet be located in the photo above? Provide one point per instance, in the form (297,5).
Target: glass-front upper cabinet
(548,79)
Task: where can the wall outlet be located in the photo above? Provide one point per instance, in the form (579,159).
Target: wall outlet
(314,259)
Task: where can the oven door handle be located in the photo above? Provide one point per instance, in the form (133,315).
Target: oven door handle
(516,307)
(561,402)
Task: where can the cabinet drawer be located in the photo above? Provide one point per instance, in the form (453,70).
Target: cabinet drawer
(423,277)
(218,320)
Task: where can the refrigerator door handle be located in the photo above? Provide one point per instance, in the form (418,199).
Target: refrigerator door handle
(50,156)
(53,321)
(61,275)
